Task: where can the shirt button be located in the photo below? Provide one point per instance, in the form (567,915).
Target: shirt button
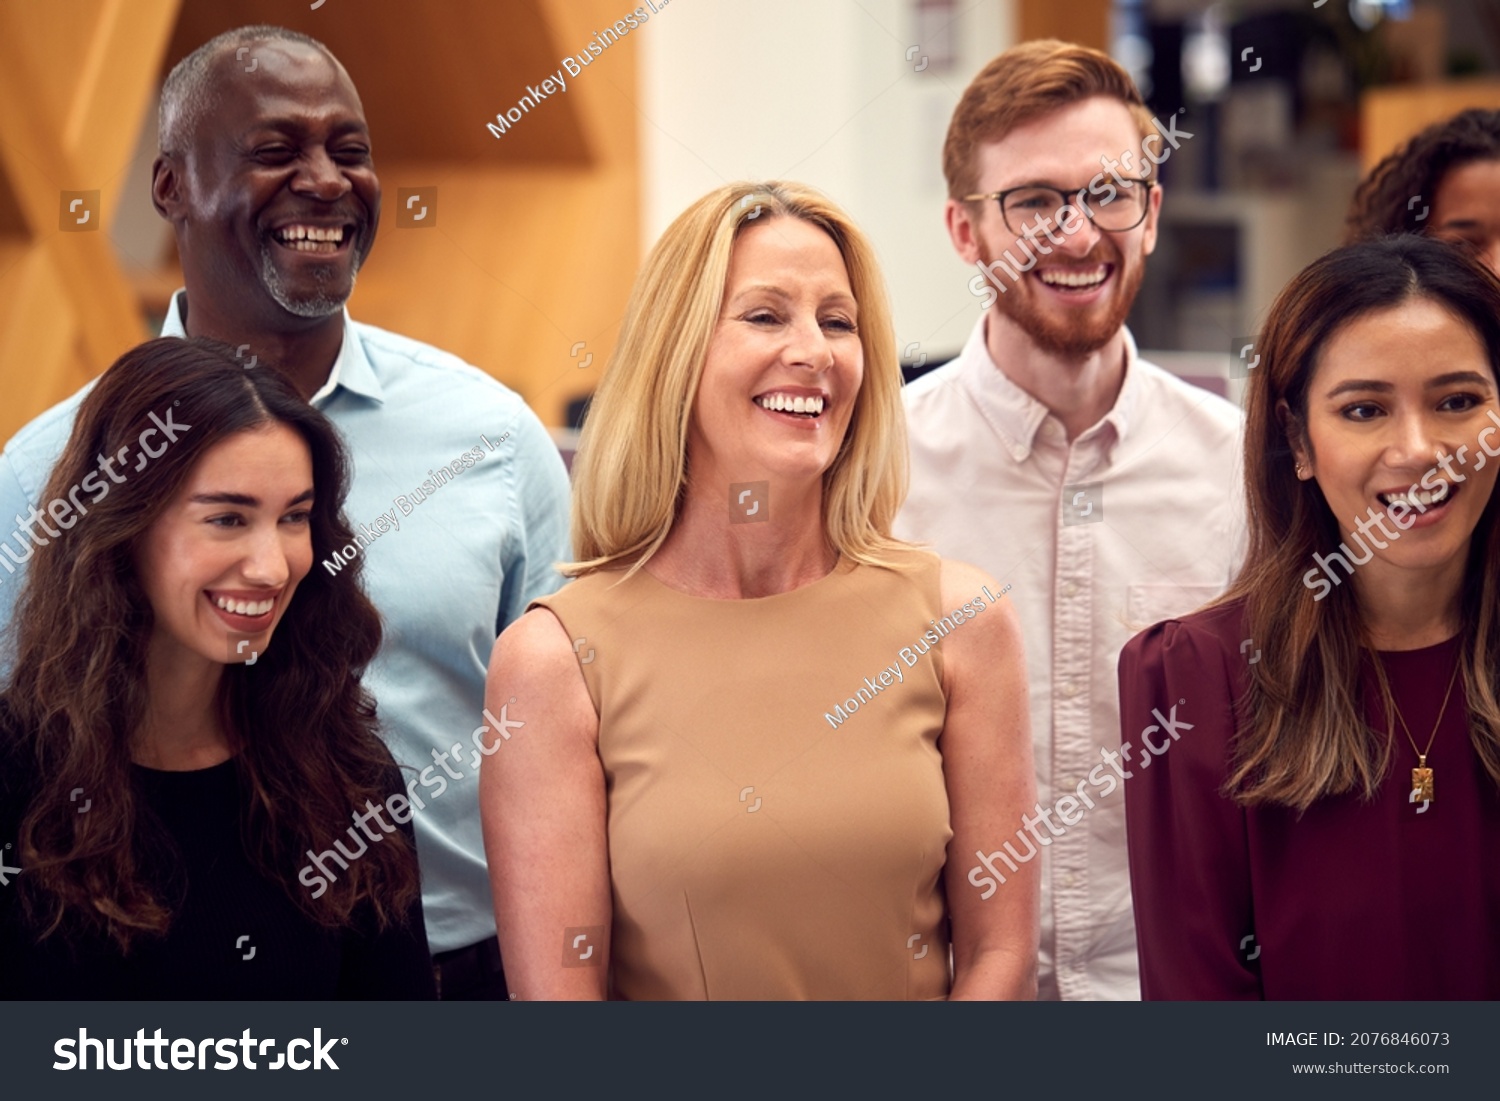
(1070,589)
(1069,879)
(1069,689)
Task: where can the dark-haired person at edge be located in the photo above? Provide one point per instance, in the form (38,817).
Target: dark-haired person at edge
(1444,182)
(186,719)
(459,500)
(1322,821)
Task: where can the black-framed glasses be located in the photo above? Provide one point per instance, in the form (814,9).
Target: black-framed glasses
(1031,208)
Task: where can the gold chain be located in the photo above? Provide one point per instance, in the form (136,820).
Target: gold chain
(1421,776)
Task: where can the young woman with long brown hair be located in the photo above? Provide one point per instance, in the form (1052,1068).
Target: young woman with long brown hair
(164,765)
(1315,810)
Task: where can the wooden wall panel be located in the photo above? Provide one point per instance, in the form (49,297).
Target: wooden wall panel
(46,357)
(1083,21)
(75,79)
(1390,116)
(432,74)
(527,259)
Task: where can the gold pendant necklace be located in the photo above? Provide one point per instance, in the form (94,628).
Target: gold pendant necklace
(1421,776)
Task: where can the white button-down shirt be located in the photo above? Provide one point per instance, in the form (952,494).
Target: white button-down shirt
(1139,519)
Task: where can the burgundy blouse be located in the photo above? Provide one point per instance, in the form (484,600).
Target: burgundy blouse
(1351,900)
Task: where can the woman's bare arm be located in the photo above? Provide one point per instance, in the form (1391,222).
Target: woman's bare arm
(542,802)
(987,766)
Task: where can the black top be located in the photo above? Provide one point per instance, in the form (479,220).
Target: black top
(235,935)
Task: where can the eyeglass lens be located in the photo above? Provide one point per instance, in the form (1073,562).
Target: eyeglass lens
(1126,210)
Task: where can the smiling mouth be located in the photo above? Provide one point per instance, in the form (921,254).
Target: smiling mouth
(1423,500)
(809,408)
(324,240)
(245,607)
(1074,280)
(245,615)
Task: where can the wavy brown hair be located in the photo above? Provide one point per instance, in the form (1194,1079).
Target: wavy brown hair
(302,729)
(1303,734)
(1382,204)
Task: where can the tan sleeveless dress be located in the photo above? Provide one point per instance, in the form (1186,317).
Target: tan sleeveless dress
(762,845)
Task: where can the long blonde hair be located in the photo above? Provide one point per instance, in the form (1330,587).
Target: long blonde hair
(631,469)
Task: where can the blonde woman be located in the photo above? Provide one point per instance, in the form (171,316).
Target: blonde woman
(763,740)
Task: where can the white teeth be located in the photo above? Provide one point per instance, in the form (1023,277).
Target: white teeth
(1066,278)
(787,403)
(1423,497)
(245,607)
(296,236)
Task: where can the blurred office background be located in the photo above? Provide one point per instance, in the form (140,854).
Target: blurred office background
(524,263)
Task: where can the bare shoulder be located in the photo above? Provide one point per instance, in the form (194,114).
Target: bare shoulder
(983,664)
(973,598)
(538,640)
(534,658)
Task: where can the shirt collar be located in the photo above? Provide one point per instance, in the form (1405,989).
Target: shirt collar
(1017,416)
(351,369)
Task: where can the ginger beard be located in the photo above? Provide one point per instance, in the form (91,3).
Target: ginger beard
(1066,333)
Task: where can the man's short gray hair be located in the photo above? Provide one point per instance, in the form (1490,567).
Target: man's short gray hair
(189,90)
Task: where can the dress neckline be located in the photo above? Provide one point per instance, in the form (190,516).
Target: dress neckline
(842,566)
(226,765)
(1421,651)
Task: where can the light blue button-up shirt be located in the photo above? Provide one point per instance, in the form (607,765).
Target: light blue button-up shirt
(467,557)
